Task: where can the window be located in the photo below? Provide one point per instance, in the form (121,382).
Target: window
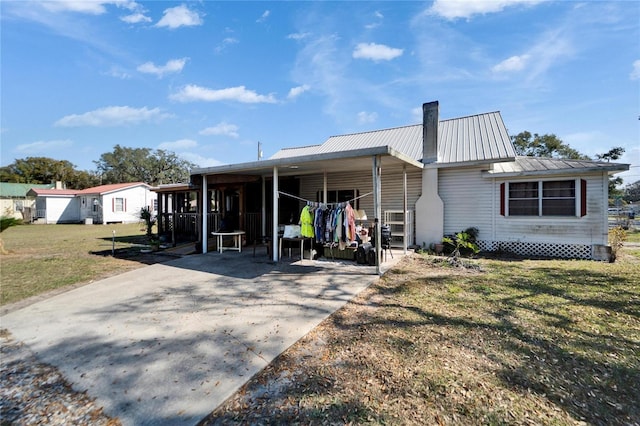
(118,205)
(543,198)
(559,198)
(18,205)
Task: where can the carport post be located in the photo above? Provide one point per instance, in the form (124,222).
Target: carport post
(377,211)
(263,210)
(274,240)
(205,231)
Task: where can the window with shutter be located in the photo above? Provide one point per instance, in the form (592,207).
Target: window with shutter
(543,198)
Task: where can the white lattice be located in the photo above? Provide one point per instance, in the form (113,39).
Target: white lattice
(562,251)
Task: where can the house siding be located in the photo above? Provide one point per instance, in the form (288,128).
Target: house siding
(586,230)
(468,201)
(473,200)
(62,210)
(134,200)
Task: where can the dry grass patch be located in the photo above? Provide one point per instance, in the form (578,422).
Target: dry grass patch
(42,258)
(521,342)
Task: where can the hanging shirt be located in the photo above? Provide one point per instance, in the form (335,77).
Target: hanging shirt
(306,222)
(350,222)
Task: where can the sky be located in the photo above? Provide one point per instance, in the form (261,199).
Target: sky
(211,80)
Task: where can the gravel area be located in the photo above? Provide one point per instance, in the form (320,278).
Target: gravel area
(33,393)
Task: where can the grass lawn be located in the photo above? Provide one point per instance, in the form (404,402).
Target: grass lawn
(47,257)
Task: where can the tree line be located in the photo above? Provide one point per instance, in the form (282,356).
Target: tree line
(122,165)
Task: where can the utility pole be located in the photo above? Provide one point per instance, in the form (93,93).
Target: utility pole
(259,150)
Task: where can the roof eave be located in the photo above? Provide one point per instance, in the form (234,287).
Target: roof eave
(290,161)
(612,169)
(475,163)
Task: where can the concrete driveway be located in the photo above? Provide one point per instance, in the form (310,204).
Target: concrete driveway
(166,344)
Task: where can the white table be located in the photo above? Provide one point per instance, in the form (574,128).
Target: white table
(296,239)
(237,240)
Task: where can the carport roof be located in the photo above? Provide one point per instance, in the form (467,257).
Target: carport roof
(354,159)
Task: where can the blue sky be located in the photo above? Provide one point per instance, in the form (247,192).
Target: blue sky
(209,80)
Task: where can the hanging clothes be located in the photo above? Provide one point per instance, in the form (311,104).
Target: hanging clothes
(318,224)
(350,222)
(306,222)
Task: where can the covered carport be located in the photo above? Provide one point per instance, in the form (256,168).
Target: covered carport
(320,164)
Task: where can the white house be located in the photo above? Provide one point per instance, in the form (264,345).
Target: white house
(114,203)
(426,180)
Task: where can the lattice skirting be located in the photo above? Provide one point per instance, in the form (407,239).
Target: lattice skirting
(562,251)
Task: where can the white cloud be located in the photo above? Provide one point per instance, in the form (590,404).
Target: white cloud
(112,116)
(135,18)
(264,16)
(376,52)
(172,66)
(178,145)
(222,128)
(635,73)
(199,160)
(379,16)
(453,9)
(294,92)
(118,72)
(367,117)
(298,36)
(191,93)
(179,16)
(43,146)
(550,49)
(514,63)
(225,43)
(92,7)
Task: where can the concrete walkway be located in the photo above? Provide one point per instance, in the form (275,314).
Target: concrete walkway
(166,344)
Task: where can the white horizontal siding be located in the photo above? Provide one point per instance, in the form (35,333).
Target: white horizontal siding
(468,201)
(135,199)
(590,229)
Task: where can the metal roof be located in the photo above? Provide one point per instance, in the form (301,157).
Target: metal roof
(523,166)
(479,138)
(19,190)
(331,162)
(476,138)
(102,189)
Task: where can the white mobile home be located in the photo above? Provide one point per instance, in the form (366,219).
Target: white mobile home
(114,203)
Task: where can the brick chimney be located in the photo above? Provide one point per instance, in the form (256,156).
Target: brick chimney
(430,120)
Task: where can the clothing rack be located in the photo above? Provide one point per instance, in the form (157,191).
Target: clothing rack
(315,203)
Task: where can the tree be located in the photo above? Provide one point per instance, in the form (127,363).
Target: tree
(544,146)
(142,165)
(612,154)
(551,146)
(37,170)
(632,192)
